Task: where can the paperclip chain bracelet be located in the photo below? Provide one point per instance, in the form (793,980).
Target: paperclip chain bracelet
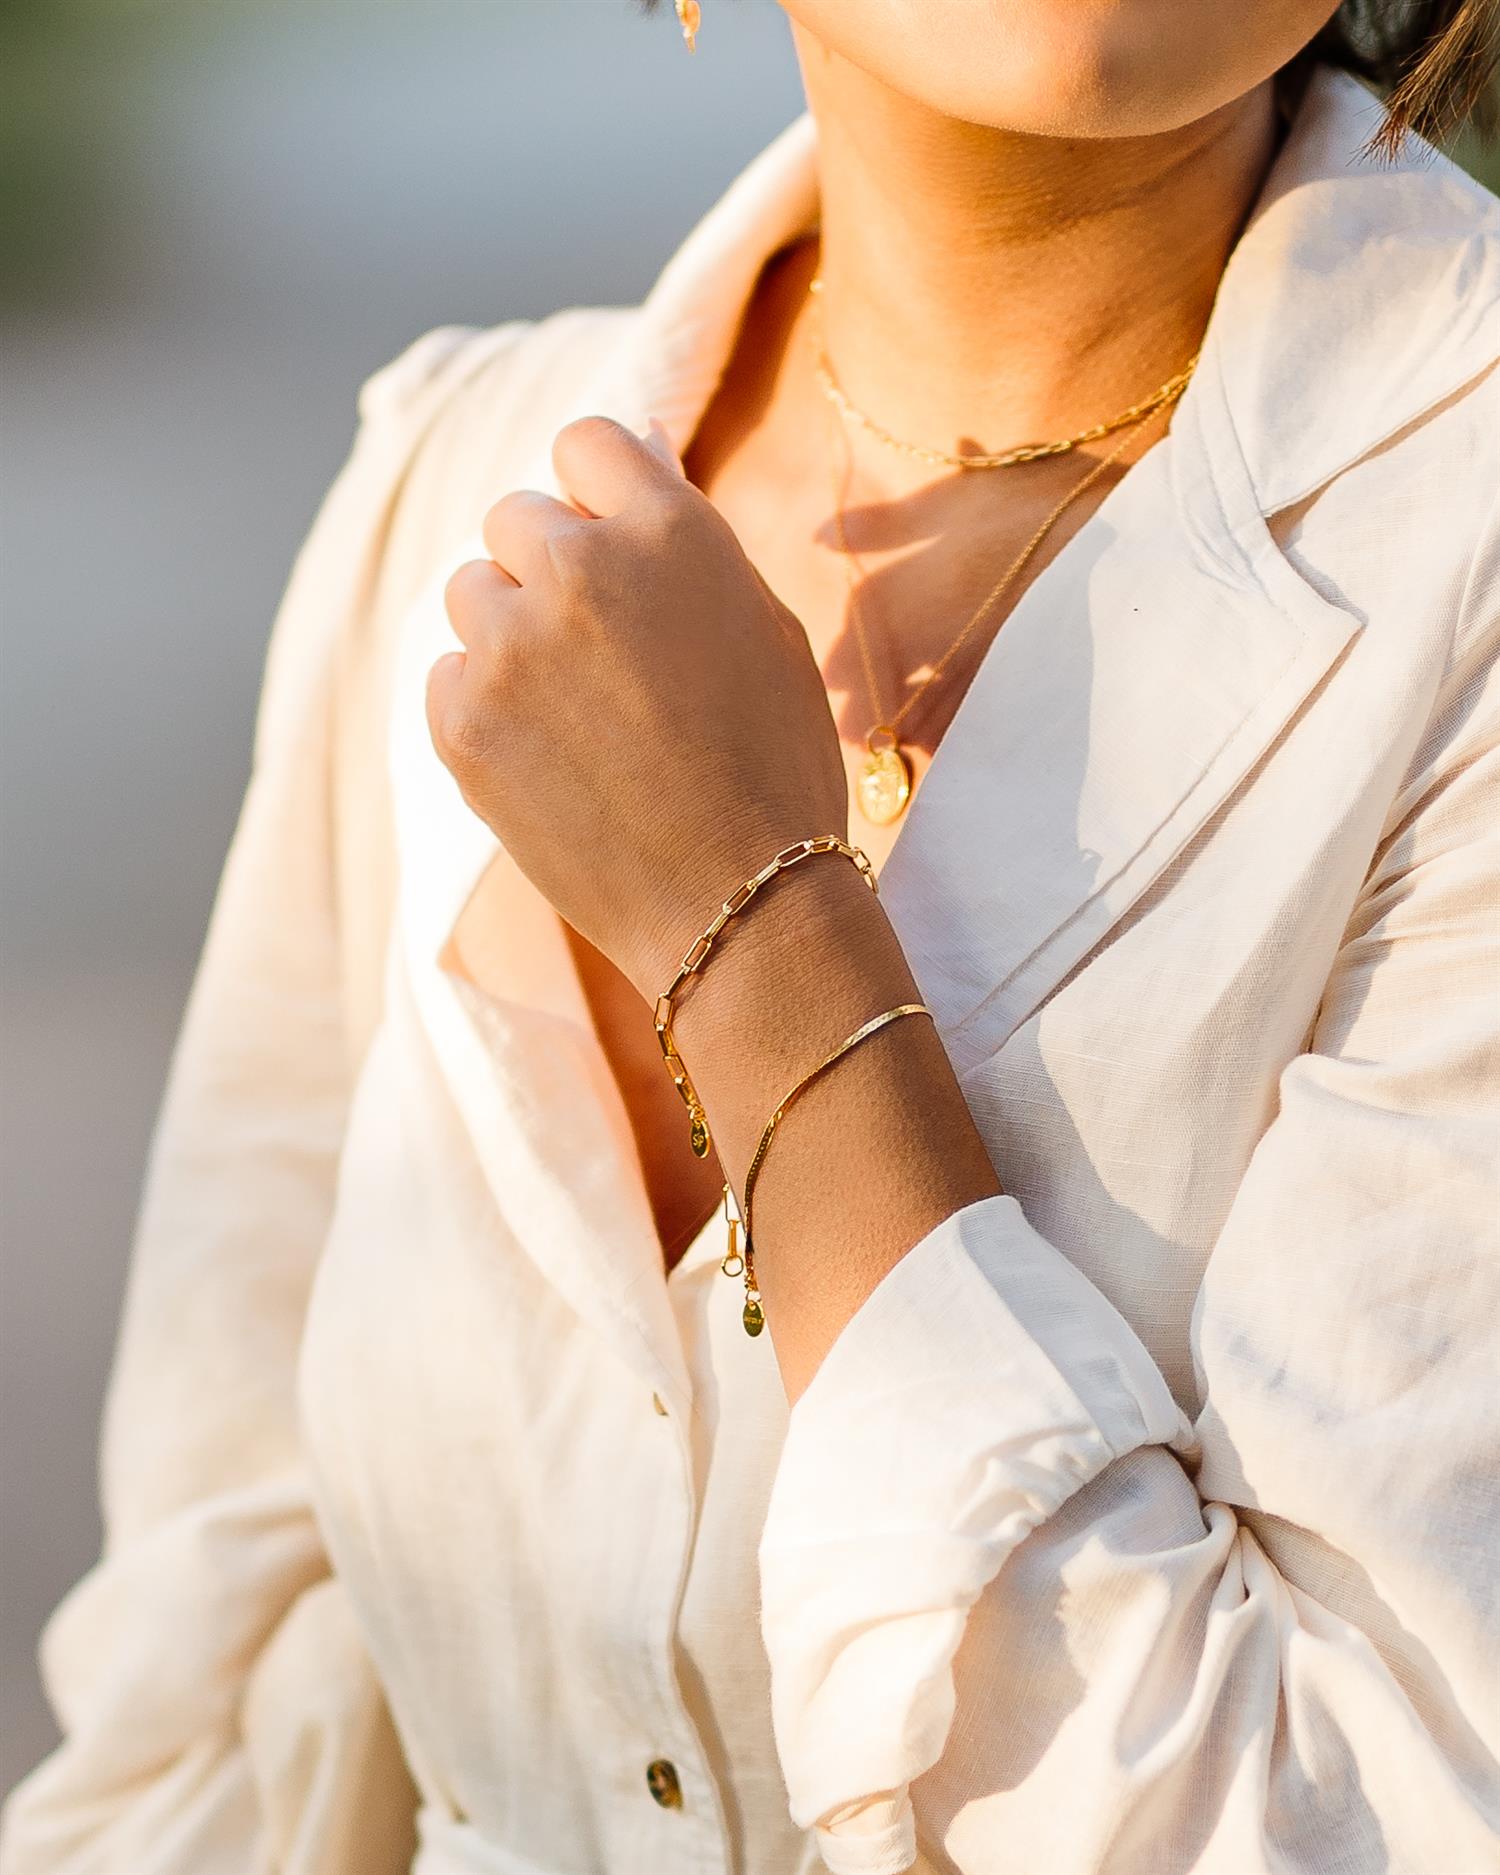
(743,1261)
(696,954)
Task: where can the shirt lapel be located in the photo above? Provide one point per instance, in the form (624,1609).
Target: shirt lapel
(1131,690)
(1156,661)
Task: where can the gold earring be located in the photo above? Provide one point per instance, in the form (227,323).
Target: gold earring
(690,13)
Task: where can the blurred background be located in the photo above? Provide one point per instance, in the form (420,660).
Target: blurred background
(216,222)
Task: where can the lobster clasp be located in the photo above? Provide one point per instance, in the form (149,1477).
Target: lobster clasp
(733,1263)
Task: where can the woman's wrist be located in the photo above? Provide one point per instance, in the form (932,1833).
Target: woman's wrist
(877,1151)
(810,959)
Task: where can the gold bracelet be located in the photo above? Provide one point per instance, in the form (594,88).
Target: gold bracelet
(753,1315)
(693,959)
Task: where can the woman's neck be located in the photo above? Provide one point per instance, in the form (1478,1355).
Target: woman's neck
(1042,283)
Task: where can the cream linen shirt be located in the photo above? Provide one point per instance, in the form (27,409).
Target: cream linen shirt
(1144,1518)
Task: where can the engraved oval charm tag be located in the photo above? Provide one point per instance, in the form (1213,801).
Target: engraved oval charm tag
(698,1137)
(884,785)
(753,1316)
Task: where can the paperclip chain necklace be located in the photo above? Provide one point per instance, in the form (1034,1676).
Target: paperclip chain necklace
(1006,459)
(885,781)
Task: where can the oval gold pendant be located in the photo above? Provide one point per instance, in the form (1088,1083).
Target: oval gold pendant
(884,785)
(698,1137)
(754,1316)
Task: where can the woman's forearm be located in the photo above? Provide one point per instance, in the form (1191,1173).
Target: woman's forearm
(877,1151)
(633,605)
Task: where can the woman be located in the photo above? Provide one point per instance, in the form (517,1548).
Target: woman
(1112,1484)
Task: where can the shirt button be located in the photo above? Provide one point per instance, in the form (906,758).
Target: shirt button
(661,1781)
(660,1404)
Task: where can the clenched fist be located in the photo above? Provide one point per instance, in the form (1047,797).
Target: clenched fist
(634,714)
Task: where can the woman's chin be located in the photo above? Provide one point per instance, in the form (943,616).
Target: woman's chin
(1131,68)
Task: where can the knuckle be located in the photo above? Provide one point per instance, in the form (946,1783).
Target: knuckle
(502,523)
(660,510)
(588,431)
(574,552)
(517,505)
(466,736)
(473,584)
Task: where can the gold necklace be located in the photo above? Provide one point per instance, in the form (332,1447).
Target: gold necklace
(1008,458)
(885,781)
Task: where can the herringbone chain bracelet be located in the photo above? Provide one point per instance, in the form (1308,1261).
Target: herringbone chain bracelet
(744,1261)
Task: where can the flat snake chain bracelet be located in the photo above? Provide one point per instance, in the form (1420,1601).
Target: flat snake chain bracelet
(744,1262)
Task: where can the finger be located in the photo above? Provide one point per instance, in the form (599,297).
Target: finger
(475,599)
(604,467)
(517,528)
(444,687)
(658,439)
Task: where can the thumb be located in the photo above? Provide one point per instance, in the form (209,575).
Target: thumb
(657,439)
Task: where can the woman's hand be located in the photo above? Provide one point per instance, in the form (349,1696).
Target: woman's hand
(634,714)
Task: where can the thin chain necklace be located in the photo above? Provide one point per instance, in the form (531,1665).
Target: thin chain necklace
(885,781)
(1026,452)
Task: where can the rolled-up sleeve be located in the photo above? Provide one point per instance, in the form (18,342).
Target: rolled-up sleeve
(218,1713)
(988,1428)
